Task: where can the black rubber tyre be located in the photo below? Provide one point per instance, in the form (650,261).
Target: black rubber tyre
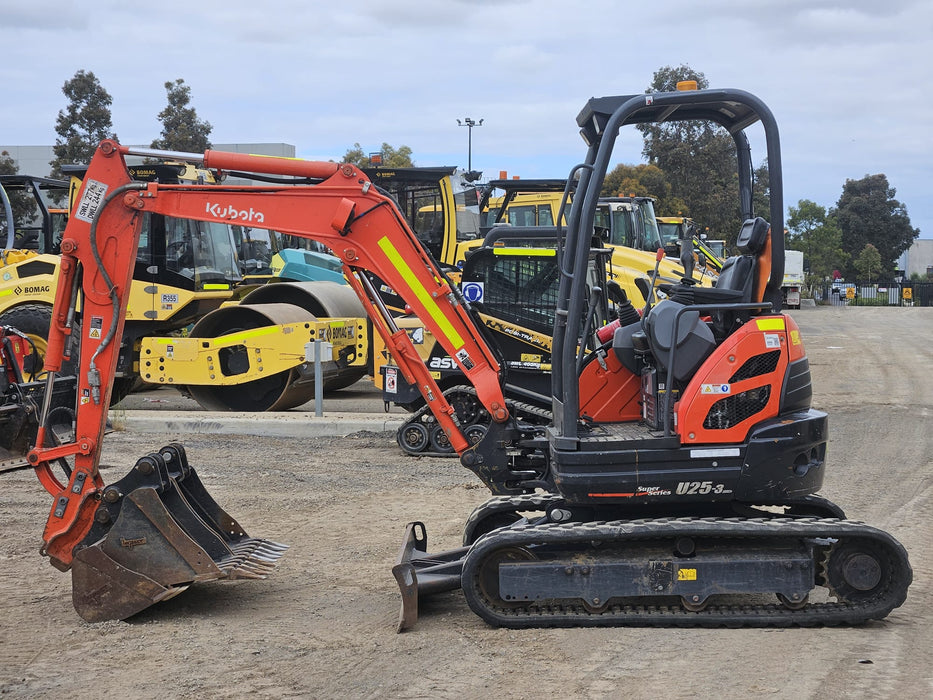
(34,320)
(122,387)
(413,438)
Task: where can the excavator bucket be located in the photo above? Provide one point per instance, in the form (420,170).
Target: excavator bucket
(156,532)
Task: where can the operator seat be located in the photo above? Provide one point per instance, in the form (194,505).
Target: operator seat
(748,272)
(742,280)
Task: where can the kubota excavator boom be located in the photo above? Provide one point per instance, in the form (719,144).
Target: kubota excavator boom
(346,213)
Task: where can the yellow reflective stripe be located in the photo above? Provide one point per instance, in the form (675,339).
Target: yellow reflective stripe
(233,337)
(6,292)
(542,252)
(770,324)
(211,287)
(443,324)
(449,244)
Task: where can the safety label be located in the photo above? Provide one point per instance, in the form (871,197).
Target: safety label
(91,200)
(95,326)
(472,291)
(391,381)
(715,388)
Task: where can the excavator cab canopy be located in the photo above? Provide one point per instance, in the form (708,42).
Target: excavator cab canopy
(600,122)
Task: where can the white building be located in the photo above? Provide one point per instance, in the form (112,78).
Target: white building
(34,160)
(918,258)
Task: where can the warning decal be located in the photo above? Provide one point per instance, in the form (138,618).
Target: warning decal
(94,330)
(715,388)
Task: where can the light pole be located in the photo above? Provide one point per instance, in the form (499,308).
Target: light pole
(469,124)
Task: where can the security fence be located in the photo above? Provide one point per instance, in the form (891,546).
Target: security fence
(874,294)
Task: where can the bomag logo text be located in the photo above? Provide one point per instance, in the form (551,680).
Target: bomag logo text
(37,289)
(226,211)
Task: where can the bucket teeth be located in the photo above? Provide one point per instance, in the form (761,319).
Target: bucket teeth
(252,558)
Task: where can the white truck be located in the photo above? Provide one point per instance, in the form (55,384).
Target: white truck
(793,278)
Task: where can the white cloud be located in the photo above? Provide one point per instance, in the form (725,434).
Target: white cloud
(846,80)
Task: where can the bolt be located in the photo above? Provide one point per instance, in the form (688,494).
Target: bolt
(568,570)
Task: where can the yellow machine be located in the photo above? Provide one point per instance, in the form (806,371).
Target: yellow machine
(676,229)
(627,224)
(185,270)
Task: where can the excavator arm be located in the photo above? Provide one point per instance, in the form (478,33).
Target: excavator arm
(343,211)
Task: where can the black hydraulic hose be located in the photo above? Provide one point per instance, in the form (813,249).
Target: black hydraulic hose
(595,296)
(93,373)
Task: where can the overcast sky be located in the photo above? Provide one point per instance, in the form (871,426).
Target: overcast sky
(848,80)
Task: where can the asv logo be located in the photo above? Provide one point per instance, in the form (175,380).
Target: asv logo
(442,363)
(229,212)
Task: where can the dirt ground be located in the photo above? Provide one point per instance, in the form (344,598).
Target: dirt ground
(324,624)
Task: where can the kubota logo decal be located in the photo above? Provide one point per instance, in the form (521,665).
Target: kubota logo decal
(226,211)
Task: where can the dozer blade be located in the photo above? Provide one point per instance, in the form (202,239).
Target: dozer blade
(156,531)
(420,574)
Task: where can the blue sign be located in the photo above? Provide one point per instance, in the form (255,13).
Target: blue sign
(472,291)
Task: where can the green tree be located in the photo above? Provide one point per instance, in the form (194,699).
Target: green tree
(868,263)
(7,164)
(868,213)
(761,194)
(84,123)
(391,157)
(698,158)
(816,233)
(181,128)
(644,180)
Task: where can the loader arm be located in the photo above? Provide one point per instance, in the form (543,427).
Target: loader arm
(343,211)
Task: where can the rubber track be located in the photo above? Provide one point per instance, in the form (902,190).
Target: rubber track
(573,613)
(507,504)
(522,411)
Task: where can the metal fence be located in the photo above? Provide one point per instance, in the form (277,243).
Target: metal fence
(875,293)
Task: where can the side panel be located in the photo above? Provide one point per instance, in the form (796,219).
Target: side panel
(738,386)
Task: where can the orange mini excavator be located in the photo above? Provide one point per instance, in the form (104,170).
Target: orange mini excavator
(675,484)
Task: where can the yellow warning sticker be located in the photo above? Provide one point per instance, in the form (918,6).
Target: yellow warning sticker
(770,324)
(686,574)
(795,337)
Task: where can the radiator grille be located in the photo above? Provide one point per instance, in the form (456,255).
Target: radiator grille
(757,366)
(732,410)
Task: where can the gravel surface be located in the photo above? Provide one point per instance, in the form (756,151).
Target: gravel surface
(324,624)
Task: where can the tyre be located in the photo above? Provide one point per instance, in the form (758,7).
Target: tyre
(121,388)
(34,320)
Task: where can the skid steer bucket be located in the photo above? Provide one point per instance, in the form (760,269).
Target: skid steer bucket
(157,531)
